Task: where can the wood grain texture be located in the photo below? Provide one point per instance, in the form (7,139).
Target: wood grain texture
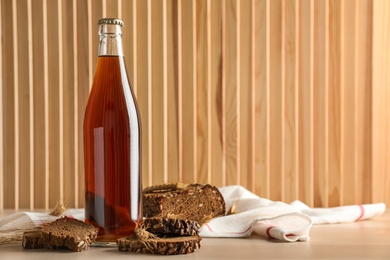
(261,138)
(189,91)
(305,110)
(276,93)
(321,104)
(217,112)
(245,96)
(231,93)
(202,86)
(9,85)
(290,98)
(287,98)
(380,97)
(157,93)
(39,32)
(1,120)
(82,91)
(335,100)
(349,122)
(22,115)
(172,93)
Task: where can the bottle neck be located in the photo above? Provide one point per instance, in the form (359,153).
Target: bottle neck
(110,40)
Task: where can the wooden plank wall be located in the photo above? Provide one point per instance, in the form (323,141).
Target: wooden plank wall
(285,97)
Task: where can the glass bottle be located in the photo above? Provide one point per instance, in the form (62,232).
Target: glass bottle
(112,148)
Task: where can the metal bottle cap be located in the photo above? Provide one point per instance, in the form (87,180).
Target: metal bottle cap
(114,21)
(110,26)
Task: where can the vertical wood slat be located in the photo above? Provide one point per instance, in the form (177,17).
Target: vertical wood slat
(16,103)
(208,86)
(356,103)
(180,88)
(37,102)
(120,4)
(335,108)
(172,92)
(8,105)
(311,132)
(321,50)
(23,106)
(1,119)
(223,91)
(272,95)
(357,95)
(31,104)
(244,93)
(90,41)
(283,98)
(66,105)
(238,92)
(83,76)
(61,102)
(290,96)
(187,44)
(342,101)
(231,93)
(158,92)
(267,187)
(381,97)
(365,100)
(261,171)
(252,160)
(37,109)
(215,126)
(75,104)
(350,192)
(305,104)
(143,66)
(194,90)
(202,104)
(149,82)
(165,90)
(52,180)
(275,99)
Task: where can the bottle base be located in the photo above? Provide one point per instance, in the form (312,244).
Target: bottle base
(104,244)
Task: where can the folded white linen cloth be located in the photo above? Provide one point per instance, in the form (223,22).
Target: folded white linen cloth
(286,222)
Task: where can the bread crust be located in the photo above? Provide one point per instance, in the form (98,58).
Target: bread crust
(163,246)
(171,226)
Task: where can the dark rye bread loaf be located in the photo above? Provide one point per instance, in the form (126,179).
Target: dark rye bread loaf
(163,246)
(169,226)
(194,202)
(66,232)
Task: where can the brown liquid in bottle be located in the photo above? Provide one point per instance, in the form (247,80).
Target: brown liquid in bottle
(112,152)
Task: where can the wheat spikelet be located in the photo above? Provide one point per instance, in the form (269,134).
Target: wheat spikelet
(142,234)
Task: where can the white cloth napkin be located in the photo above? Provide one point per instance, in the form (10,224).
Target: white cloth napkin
(286,222)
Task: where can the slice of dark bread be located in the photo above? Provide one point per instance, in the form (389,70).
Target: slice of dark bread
(68,232)
(32,240)
(200,202)
(163,246)
(170,226)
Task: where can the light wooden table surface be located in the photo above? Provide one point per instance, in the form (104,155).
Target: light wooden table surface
(359,240)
